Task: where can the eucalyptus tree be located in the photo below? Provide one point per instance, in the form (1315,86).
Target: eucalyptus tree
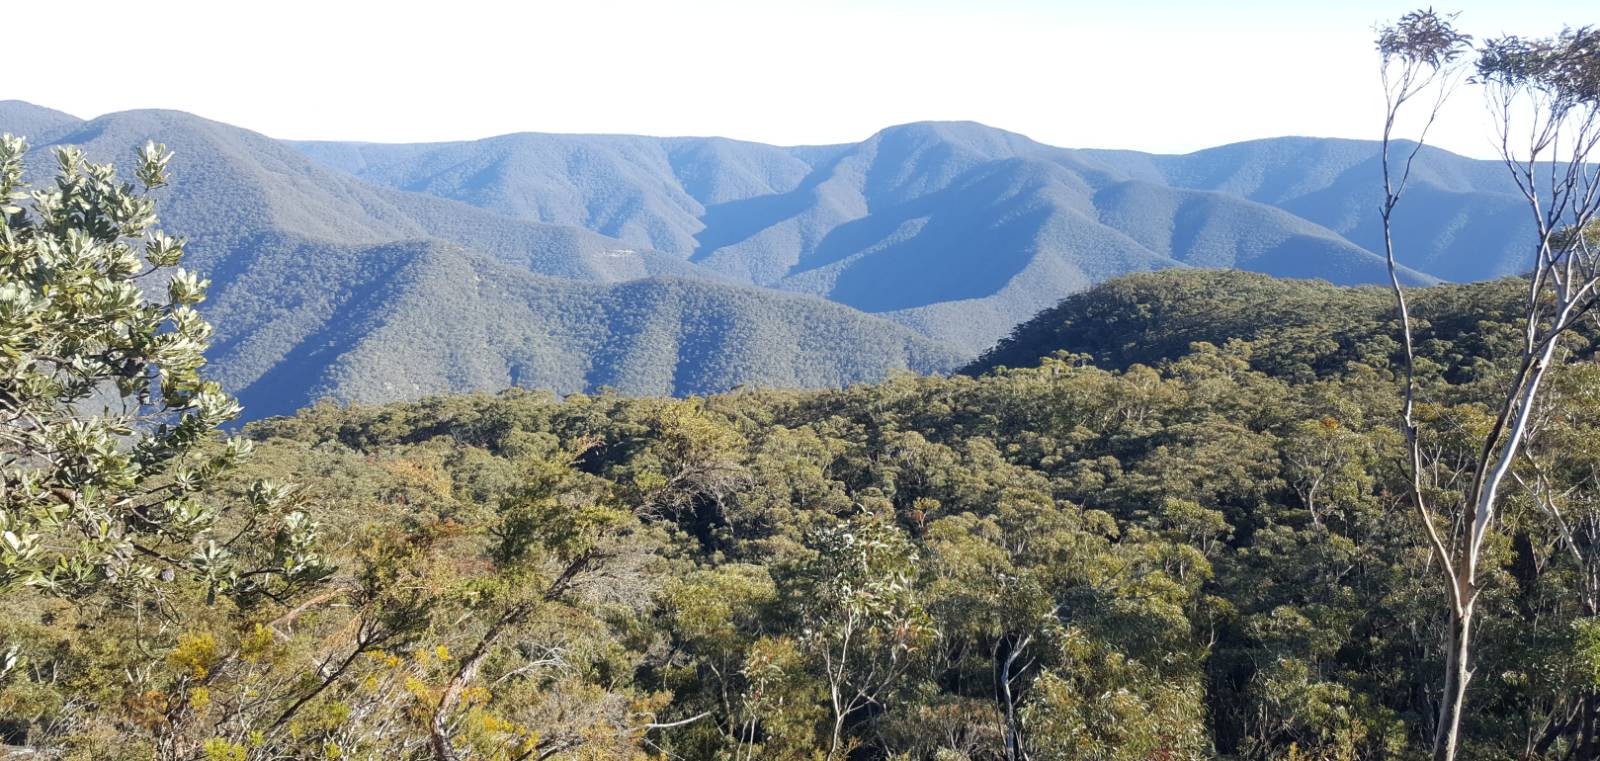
(862,618)
(1545,94)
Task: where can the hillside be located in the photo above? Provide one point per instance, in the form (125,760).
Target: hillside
(647,191)
(325,285)
(1463,219)
(232,184)
(925,440)
(22,118)
(415,318)
(1295,329)
(977,228)
(954,230)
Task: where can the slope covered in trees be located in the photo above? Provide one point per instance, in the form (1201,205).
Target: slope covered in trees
(1295,329)
(23,118)
(1207,515)
(414,318)
(1195,551)
(978,228)
(230,184)
(329,286)
(1466,219)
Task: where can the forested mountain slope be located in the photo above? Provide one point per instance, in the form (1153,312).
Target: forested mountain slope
(1464,219)
(1296,329)
(976,228)
(328,285)
(416,318)
(953,229)
(648,191)
(23,118)
(231,184)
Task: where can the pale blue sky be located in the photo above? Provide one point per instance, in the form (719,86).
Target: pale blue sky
(1162,76)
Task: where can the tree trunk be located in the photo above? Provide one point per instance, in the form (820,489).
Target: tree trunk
(439,723)
(1588,744)
(1014,750)
(839,711)
(1456,676)
(838,734)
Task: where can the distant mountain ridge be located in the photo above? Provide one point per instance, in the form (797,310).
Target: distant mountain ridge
(961,230)
(327,285)
(233,184)
(1462,219)
(690,265)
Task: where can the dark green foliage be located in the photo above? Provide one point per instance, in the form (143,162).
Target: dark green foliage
(1195,548)
(1201,556)
(1295,329)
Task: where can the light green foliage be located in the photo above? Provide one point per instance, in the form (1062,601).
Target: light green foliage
(863,575)
(1097,703)
(108,423)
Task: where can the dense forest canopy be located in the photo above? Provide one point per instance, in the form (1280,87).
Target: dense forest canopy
(1197,550)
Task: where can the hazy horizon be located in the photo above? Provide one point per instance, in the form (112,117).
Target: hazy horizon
(865,136)
(1159,77)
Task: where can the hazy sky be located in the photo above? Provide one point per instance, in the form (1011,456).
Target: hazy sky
(1167,76)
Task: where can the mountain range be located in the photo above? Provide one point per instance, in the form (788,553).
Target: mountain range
(326,285)
(373,272)
(962,231)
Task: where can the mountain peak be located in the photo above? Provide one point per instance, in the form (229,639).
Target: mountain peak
(966,132)
(32,121)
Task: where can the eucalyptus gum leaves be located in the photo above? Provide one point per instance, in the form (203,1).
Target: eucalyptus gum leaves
(107,428)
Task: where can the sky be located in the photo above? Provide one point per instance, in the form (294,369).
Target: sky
(1166,76)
